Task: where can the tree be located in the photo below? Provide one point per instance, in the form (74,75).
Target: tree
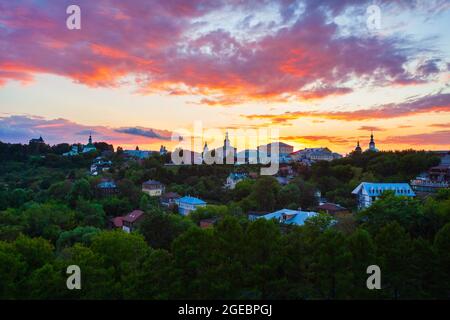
(79,234)
(81,189)
(98,281)
(265,193)
(262,249)
(91,214)
(122,251)
(160,229)
(12,270)
(441,245)
(363,254)
(195,254)
(393,257)
(157,279)
(391,208)
(289,196)
(36,252)
(332,272)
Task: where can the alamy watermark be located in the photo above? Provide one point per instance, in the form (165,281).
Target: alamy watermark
(73,21)
(74,280)
(192,147)
(374,280)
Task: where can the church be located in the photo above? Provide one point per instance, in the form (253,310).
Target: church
(226,152)
(372,146)
(90,146)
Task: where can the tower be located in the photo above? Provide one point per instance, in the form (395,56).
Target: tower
(90,139)
(358,148)
(372,143)
(226,142)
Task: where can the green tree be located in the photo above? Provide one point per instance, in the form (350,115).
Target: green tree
(160,229)
(394,256)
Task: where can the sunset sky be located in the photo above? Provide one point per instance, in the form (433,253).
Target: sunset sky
(139,70)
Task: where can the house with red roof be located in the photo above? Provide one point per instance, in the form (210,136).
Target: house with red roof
(131,221)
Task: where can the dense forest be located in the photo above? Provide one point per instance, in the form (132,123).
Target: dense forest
(51,217)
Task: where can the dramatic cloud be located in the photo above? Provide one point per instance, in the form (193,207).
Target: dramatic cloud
(175,47)
(430,103)
(20,129)
(440,138)
(149,133)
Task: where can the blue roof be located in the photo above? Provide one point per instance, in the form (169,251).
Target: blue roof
(375,189)
(298,217)
(191,200)
(106,184)
(238,175)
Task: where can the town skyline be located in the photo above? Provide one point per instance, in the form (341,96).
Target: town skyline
(136,72)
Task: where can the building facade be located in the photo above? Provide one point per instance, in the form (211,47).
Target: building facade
(153,188)
(368,192)
(188,204)
(266,152)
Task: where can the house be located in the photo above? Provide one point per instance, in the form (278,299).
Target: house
(162,151)
(106,188)
(153,188)
(169,199)
(138,154)
(233,179)
(116,222)
(100,165)
(290,217)
(435,179)
(368,192)
(310,155)
(131,221)
(208,223)
(74,151)
(440,173)
(284,151)
(188,204)
(333,209)
(38,141)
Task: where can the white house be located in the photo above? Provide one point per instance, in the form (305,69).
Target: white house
(368,192)
(188,204)
(73,151)
(287,216)
(233,179)
(153,188)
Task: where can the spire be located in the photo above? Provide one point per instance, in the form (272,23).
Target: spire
(226,142)
(90,138)
(358,147)
(371,136)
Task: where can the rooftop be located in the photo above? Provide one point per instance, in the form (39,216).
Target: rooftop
(133,216)
(152,182)
(191,200)
(377,188)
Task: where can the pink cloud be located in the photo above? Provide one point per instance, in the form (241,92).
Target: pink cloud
(154,42)
(19,129)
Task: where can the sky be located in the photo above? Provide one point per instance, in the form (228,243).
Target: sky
(321,72)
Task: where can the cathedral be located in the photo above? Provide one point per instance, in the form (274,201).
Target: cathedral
(227,152)
(371,145)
